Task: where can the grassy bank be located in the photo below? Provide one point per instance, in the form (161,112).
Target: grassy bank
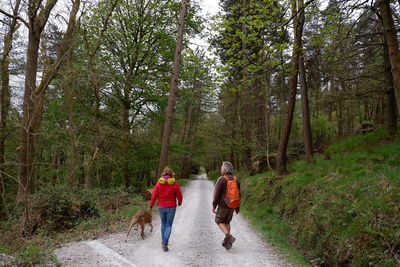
(341,209)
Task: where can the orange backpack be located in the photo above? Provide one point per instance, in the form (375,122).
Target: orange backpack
(232,196)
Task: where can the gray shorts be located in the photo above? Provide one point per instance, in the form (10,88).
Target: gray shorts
(224,215)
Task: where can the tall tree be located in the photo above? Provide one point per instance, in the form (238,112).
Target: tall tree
(138,76)
(70,79)
(305,107)
(392,44)
(298,23)
(5,95)
(194,99)
(390,92)
(174,87)
(33,94)
(93,32)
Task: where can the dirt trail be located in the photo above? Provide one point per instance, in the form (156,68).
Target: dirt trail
(195,241)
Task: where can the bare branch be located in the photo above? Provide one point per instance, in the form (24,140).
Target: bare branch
(301,9)
(15,17)
(65,46)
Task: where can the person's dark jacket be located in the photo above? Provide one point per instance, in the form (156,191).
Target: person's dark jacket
(220,192)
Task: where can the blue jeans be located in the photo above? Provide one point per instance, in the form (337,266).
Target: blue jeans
(167,215)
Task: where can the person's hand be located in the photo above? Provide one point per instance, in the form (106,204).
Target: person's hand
(213,210)
(179,204)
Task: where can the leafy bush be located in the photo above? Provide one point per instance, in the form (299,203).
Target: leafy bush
(322,130)
(56,210)
(202,170)
(213,175)
(4,250)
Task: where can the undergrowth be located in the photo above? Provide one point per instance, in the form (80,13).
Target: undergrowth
(342,211)
(38,249)
(63,226)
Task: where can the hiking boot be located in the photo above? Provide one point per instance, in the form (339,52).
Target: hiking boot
(164,246)
(226,239)
(230,242)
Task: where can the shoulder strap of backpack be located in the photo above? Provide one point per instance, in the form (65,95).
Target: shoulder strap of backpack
(227,178)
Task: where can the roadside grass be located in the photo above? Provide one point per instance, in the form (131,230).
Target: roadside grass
(342,211)
(184,182)
(213,175)
(33,255)
(38,249)
(263,216)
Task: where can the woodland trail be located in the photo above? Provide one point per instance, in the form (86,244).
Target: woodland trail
(195,241)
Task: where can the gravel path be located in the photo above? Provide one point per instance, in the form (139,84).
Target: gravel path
(195,241)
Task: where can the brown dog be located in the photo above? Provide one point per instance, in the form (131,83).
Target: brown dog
(141,217)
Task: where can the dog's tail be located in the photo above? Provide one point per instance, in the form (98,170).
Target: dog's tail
(133,222)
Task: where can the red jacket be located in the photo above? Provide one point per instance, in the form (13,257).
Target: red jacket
(166,194)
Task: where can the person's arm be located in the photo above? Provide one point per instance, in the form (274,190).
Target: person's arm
(154,195)
(179,194)
(217,193)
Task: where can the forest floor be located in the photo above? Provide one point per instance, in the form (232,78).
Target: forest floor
(195,241)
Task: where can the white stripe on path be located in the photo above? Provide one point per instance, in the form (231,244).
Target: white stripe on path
(109,254)
(195,241)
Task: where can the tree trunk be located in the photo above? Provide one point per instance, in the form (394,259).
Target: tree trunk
(69,93)
(392,44)
(267,85)
(125,142)
(261,114)
(28,124)
(317,84)
(5,96)
(281,101)
(390,93)
(33,96)
(172,94)
(366,110)
(339,113)
(186,140)
(305,111)
(247,101)
(234,132)
(283,142)
(89,161)
(305,107)
(247,124)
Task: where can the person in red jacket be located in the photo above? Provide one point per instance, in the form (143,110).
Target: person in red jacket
(167,191)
